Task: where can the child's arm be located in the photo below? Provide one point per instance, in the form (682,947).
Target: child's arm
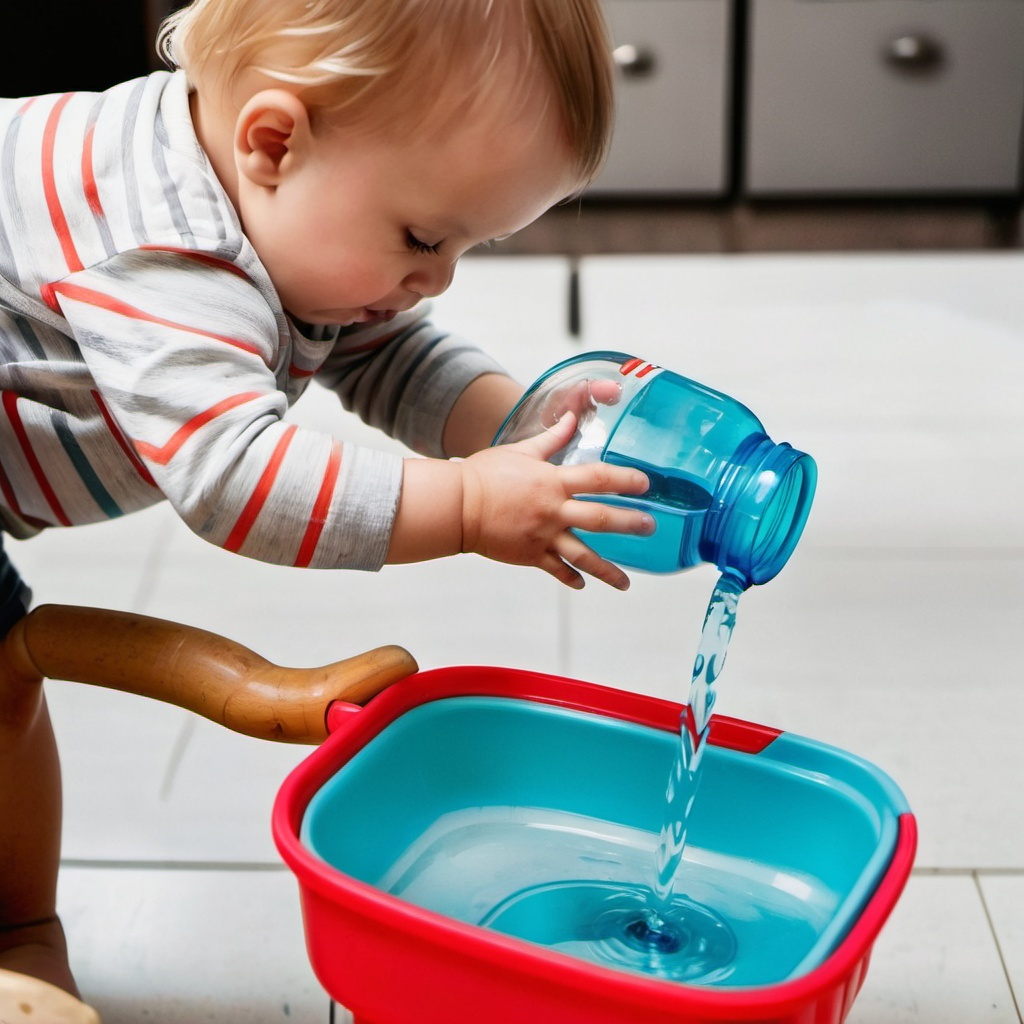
(508,503)
(186,355)
(479,413)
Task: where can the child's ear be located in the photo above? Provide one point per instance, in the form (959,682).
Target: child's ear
(271,135)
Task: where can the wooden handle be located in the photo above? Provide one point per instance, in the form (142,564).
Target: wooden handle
(200,671)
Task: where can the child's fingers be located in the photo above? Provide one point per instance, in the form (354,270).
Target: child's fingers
(561,570)
(580,398)
(577,554)
(605,392)
(543,445)
(600,478)
(597,517)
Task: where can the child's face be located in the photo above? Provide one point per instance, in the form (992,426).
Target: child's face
(361,227)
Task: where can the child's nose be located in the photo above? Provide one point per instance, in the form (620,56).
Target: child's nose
(432,279)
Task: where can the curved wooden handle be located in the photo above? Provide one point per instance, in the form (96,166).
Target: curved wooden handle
(194,669)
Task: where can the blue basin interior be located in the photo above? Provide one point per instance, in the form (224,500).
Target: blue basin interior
(461,805)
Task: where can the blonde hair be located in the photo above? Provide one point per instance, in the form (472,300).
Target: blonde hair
(344,56)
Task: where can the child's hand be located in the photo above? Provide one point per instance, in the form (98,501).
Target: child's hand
(580,398)
(518,508)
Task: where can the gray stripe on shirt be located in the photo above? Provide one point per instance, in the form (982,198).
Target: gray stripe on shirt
(130,175)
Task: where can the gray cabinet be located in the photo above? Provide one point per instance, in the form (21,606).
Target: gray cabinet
(884,96)
(823,98)
(673,95)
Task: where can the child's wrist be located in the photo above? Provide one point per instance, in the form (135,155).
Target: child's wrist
(428,523)
(469,513)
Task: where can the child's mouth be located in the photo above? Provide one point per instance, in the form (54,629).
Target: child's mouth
(376,316)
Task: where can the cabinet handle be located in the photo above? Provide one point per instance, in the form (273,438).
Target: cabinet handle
(914,53)
(634,61)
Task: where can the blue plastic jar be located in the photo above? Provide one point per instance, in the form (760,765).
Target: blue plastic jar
(722,492)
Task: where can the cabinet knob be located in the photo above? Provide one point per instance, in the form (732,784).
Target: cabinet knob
(633,61)
(914,53)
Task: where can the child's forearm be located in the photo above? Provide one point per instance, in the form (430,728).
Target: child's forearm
(428,523)
(478,414)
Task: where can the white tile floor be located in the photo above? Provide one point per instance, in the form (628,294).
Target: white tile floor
(894,632)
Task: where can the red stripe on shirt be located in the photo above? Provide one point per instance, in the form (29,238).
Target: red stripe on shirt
(92,193)
(118,435)
(200,257)
(94,298)
(49,296)
(57,218)
(163,454)
(322,505)
(11,408)
(239,532)
(12,502)
(8,492)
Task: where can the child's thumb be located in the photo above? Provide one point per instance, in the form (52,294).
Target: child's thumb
(550,440)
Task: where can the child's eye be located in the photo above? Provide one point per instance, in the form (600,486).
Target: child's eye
(417,246)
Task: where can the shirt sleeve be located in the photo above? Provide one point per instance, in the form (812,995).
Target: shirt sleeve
(193,362)
(403,377)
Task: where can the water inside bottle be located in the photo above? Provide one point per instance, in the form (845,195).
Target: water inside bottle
(678,506)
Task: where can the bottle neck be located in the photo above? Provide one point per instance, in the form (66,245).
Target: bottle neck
(759,510)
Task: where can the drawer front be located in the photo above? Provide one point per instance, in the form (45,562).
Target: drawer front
(672,97)
(861,96)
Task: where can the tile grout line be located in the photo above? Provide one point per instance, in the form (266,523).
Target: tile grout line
(977,873)
(999,949)
(174,865)
(181,742)
(97,864)
(152,564)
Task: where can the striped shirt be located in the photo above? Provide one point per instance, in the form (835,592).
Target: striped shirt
(146,355)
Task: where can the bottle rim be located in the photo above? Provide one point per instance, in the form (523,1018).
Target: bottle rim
(763,510)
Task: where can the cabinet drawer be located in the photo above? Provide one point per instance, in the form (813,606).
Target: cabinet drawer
(672,97)
(902,96)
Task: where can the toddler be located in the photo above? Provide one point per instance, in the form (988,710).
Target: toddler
(181,254)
